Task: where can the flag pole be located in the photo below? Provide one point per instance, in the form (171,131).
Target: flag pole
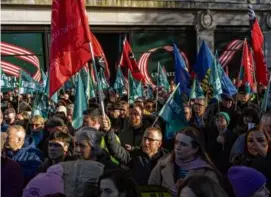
(157,85)
(169,98)
(98,80)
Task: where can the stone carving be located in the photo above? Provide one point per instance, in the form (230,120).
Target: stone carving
(268,20)
(206,19)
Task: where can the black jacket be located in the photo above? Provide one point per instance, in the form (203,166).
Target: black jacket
(218,152)
(136,162)
(133,136)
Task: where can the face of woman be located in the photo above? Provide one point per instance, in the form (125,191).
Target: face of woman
(183,148)
(109,189)
(260,138)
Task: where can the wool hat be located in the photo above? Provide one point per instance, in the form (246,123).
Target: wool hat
(43,184)
(225,115)
(226,97)
(245,181)
(62,109)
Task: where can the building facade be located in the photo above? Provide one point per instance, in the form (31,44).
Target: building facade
(150,25)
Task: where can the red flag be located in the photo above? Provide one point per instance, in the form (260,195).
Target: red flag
(247,65)
(70,38)
(128,60)
(257,43)
(99,53)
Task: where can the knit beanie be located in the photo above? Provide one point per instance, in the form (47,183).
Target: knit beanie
(43,184)
(62,109)
(245,181)
(225,115)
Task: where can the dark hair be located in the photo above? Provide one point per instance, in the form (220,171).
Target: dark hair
(123,182)
(54,122)
(61,136)
(203,186)
(198,141)
(251,112)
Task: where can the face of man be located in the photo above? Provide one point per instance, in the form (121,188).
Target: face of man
(57,149)
(244,97)
(82,148)
(36,127)
(115,113)
(135,117)
(15,139)
(149,107)
(199,107)
(187,113)
(89,122)
(221,123)
(10,118)
(124,111)
(227,103)
(66,97)
(151,142)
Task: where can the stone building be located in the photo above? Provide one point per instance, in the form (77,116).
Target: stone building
(150,25)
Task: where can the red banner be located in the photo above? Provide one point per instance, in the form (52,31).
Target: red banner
(128,60)
(70,38)
(257,43)
(247,64)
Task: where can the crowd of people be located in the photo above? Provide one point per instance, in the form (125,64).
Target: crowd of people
(225,151)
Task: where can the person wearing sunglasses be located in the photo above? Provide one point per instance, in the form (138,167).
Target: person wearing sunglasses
(139,161)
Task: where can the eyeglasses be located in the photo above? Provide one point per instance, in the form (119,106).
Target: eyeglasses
(150,139)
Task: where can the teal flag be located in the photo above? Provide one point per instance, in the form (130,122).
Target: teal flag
(266,103)
(41,106)
(88,83)
(135,88)
(214,80)
(7,82)
(173,114)
(119,84)
(162,78)
(149,92)
(46,91)
(196,91)
(103,81)
(28,85)
(80,104)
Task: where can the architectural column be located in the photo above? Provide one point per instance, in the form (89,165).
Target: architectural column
(205,27)
(266,27)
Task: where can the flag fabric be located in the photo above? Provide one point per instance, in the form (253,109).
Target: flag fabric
(100,58)
(70,38)
(266,103)
(246,67)
(128,60)
(103,82)
(257,41)
(80,104)
(27,84)
(161,80)
(41,106)
(196,91)
(149,92)
(119,84)
(173,114)
(181,74)
(7,82)
(135,89)
(46,91)
(214,80)
(226,83)
(88,83)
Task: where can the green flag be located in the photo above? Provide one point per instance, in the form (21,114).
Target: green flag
(162,78)
(214,80)
(7,82)
(88,83)
(119,84)
(149,92)
(28,85)
(173,114)
(197,91)
(266,103)
(41,106)
(135,89)
(103,81)
(80,104)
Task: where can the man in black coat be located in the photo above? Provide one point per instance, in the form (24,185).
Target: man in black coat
(140,161)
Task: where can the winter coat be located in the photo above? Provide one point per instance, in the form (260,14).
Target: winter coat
(4,127)
(164,174)
(29,159)
(136,161)
(220,153)
(12,180)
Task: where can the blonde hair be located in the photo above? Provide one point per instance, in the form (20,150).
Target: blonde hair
(37,120)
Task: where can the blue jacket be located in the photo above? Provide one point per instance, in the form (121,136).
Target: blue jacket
(4,127)
(29,159)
